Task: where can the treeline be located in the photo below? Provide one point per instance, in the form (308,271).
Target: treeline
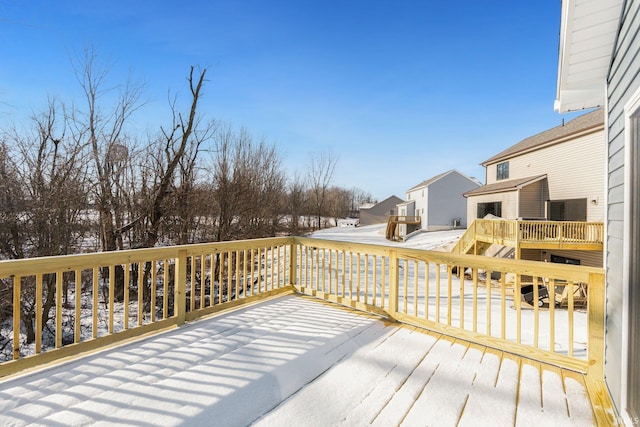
(77,178)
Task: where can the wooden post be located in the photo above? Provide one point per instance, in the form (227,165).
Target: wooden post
(393,283)
(16,318)
(180,305)
(596,321)
(293,263)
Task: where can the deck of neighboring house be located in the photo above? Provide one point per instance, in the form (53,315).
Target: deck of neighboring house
(519,234)
(394,220)
(294,360)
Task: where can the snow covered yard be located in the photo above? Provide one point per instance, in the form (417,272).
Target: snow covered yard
(296,361)
(552,331)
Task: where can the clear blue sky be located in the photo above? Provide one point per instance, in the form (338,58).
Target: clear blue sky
(398,90)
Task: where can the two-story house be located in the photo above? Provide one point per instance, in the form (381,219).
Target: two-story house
(556,175)
(434,204)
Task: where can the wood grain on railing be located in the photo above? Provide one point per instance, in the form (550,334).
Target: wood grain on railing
(476,306)
(165,287)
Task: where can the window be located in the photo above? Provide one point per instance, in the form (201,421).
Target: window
(567,210)
(502,171)
(493,208)
(564,260)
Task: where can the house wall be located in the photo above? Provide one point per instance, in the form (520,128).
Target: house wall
(408,209)
(624,81)
(446,202)
(509,204)
(575,169)
(380,212)
(532,200)
(419,198)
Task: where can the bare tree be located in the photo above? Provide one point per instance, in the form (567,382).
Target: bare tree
(338,203)
(180,148)
(296,202)
(12,205)
(50,202)
(321,169)
(358,197)
(102,128)
(248,186)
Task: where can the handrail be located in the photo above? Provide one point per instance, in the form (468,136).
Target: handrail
(123,294)
(532,233)
(420,287)
(165,287)
(409,219)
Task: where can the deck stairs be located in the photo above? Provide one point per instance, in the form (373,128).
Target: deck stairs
(468,244)
(395,220)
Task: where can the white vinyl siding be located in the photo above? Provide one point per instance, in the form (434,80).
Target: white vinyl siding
(509,204)
(575,169)
(441,201)
(532,200)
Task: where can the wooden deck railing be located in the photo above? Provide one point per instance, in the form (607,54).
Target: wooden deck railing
(164,287)
(534,234)
(78,303)
(404,219)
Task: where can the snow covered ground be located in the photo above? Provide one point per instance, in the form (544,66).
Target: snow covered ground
(557,341)
(374,235)
(294,361)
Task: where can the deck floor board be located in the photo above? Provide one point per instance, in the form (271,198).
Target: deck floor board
(295,360)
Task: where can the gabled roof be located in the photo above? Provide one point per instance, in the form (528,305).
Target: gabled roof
(587,39)
(503,186)
(391,200)
(430,181)
(586,123)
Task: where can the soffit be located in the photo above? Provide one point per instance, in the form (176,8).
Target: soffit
(587,37)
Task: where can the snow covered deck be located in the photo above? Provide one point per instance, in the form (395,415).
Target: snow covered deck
(293,360)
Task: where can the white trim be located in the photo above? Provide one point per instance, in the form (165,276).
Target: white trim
(631,130)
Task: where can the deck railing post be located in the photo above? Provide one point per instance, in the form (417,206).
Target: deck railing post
(293,263)
(181,287)
(595,331)
(393,283)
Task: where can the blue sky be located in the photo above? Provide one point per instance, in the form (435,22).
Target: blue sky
(399,90)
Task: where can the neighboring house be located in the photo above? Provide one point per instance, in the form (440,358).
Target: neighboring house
(437,203)
(599,66)
(556,175)
(380,212)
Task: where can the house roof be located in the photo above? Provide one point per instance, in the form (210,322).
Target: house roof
(430,181)
(587,36)
(583,124)
(503,186)
(392,200)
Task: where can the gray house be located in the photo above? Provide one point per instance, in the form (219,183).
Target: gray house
(437,203)
(380,212)
(599,66)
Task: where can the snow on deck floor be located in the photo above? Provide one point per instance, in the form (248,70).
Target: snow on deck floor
(295,361)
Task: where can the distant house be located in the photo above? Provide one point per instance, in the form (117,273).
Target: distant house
(556,175)
(436,204)
(379,213)
(598,67)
